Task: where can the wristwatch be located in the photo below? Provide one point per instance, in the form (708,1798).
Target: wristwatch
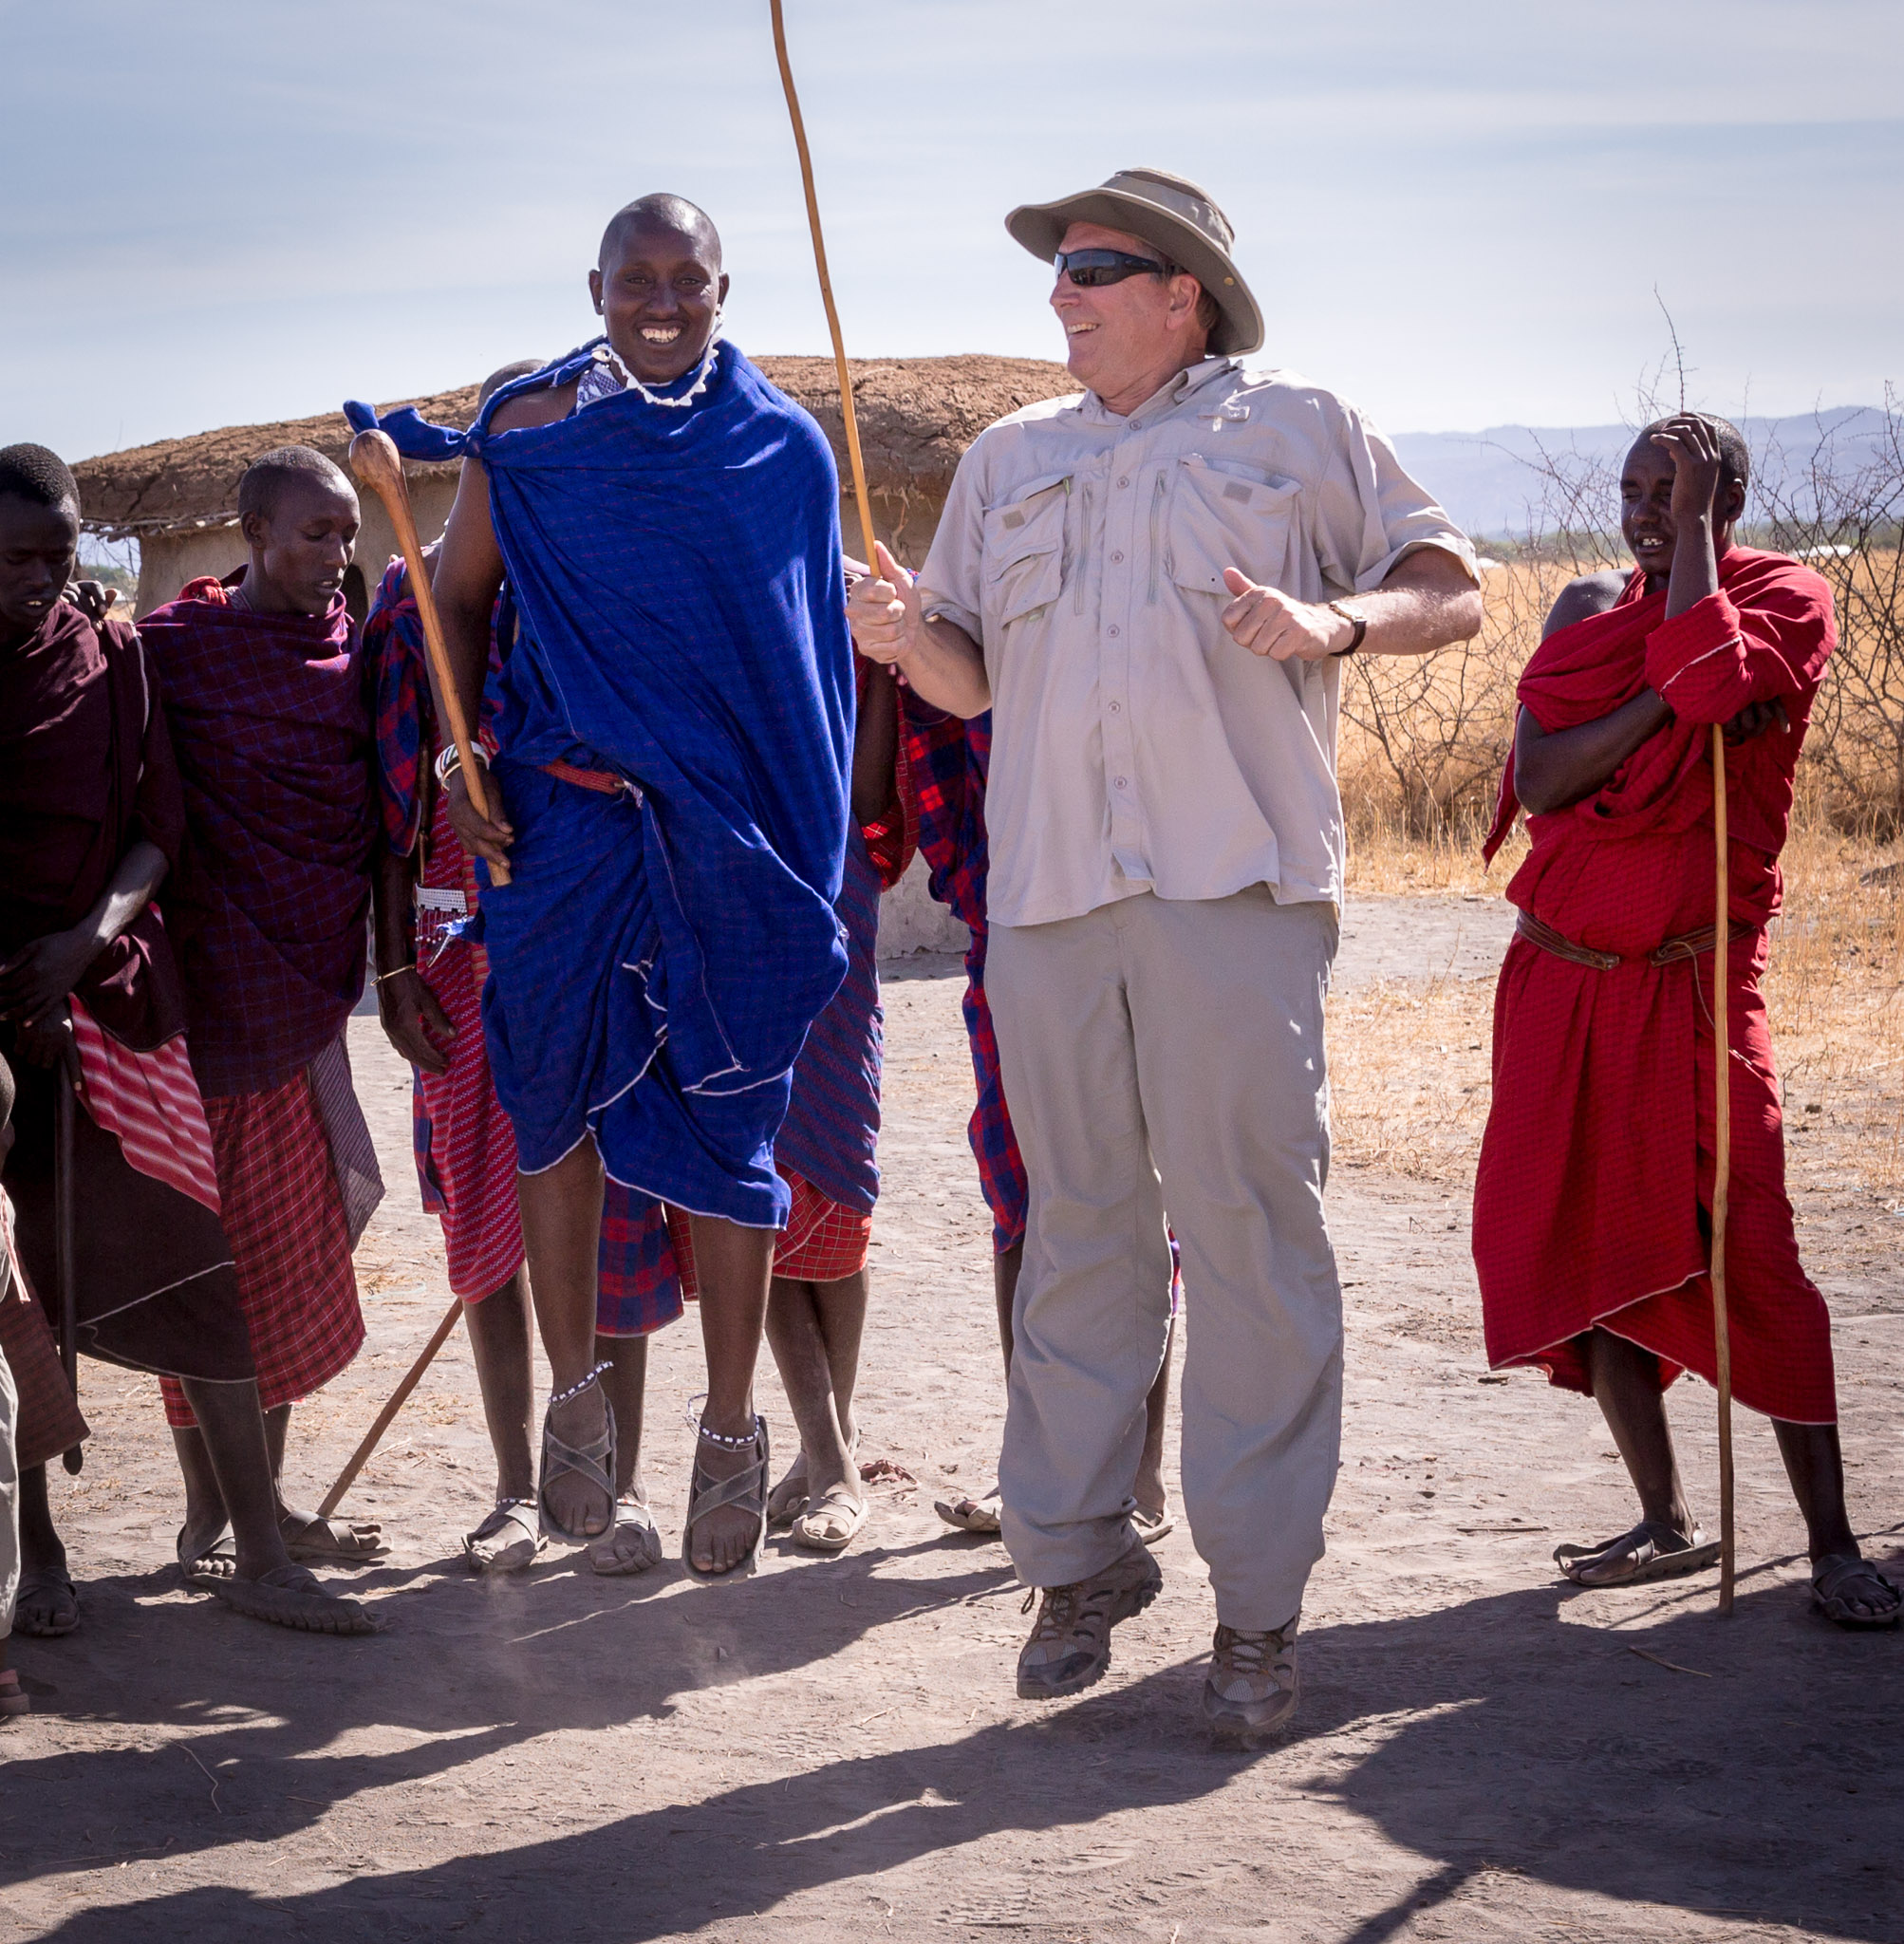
(1360,623)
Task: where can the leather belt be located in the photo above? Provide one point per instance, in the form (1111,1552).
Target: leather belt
(1688,946)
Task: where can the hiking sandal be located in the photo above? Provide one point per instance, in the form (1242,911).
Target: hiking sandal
(1656,1551)
(609,1554)
(746,1490)
(515,1522)
(62,1608)
(1840,1579)
(831,1521)
(593,1461)
(224,1548)
(294,1597)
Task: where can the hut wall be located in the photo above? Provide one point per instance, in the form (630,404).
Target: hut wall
(167,561)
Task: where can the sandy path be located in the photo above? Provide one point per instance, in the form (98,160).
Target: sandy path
(834,1748)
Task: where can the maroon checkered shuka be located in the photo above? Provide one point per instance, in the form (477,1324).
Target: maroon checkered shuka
(284,1217)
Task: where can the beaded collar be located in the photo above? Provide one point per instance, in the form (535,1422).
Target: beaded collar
(608,377)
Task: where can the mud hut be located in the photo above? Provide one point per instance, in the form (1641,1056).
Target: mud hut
(178,498)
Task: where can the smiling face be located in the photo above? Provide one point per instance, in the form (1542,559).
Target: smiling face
(1117,335)
(300,546)
(39,549)
(1646,508)
(658,292)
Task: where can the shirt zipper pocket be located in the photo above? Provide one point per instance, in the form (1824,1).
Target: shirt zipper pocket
(1083,552)
(1156,535)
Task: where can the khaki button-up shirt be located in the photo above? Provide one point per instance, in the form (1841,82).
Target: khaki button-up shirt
(1134,745)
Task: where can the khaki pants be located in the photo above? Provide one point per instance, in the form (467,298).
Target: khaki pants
(9,1490)
(1167,1055)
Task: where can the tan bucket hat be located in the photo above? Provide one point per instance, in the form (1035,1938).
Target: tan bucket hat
(1171,215)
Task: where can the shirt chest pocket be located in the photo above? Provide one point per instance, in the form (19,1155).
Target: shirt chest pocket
(1023,556)
(1219,519)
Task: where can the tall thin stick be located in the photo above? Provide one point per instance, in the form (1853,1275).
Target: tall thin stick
(361,1457)
(853,455)
(375,460)
(66,1243)
(1721,1164)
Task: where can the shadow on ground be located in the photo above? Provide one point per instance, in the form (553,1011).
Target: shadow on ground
(1753,1777)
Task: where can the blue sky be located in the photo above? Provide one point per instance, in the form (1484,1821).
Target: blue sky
(1457,215)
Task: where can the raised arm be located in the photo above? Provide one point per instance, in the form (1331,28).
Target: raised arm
(466,579)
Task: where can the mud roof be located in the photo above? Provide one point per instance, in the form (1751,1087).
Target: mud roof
(916,417)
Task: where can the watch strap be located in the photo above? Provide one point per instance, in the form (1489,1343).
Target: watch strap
(1358,622)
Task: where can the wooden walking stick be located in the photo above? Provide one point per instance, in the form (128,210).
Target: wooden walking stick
(361,1457)
(1721,1166)
(66,1243)
(855,457)
(374,459)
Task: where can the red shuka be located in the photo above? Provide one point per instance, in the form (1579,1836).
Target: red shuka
(1592,1196)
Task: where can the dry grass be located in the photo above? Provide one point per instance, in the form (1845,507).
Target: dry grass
(1409,1065)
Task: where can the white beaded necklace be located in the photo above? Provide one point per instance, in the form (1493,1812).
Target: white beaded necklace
(606,355)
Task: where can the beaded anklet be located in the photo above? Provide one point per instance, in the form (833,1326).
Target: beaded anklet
(576,1388)
(727,1443)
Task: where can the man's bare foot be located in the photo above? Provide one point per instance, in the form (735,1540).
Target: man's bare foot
(727,1509)
(308,1537)
(575,1503)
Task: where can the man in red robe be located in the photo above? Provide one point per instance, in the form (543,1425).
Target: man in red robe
(1592,1204)
(263,690)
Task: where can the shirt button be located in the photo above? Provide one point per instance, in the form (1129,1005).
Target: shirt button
(1122,783)
(1117,556)
(1113,634)
(1123,482)
(1116,708)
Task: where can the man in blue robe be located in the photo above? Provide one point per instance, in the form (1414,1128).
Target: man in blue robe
(676,737)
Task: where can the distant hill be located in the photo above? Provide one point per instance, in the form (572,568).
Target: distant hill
(1490,482)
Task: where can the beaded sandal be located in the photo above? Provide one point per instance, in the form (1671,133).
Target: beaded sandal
(746,1491)
(594,1462)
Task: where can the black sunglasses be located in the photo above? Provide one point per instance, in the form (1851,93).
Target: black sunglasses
(1088,268)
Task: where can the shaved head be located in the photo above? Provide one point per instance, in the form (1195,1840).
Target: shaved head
(1735,456)
(38,475)
(505,374)
(271,473)
(662,211)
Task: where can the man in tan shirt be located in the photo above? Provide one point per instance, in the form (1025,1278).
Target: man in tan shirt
(1152,585)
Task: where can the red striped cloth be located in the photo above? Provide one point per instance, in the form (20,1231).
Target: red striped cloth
(821,1243)
(465,1146)
(149,1103)
(284,1217)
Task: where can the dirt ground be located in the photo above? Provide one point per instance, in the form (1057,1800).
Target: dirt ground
(834,1748)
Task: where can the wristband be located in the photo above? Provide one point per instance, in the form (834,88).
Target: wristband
(449,760)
